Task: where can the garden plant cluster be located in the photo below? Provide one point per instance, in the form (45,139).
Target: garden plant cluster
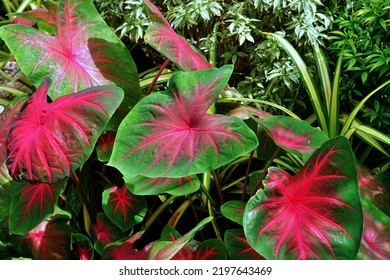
(194,129)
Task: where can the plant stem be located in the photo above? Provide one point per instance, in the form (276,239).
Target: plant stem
(218,186)
(259,182)
(166,63)
(248,169)
(86,205)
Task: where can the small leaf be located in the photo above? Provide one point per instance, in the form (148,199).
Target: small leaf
(49,141)
(141,185)
(122,207)
(238,247)
(32,204)
(315,214)
(162,37)
(295,136)
(105,145)
(104,232)
(126,250)
(211,249)
(170,134)
(234,210)
(81,247)
(50,240)
(165,250)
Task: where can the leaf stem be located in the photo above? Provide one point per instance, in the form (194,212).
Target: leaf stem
(259,182)
(166,63)
(248,169)
(83,195)
(218,186)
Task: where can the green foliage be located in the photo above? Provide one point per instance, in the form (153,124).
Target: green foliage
(363,37)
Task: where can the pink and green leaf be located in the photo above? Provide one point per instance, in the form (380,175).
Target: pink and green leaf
(49,141)
(122,207)
(104,232)
(126,250)
(165,250)
(374,188)
(32,204)
(292,135)
(81,247)
(315,214)
(105,145)
(141,185)
(50,240)
(375,244)
(163,38)
(238,247)
(85,52)
(170,133)
(211,249)
(234,210)
(44,17)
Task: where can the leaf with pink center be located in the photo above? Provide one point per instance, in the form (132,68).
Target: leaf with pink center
(211,249)
(104,232)
(50,240)
(85,52)
(122,207)
(81,247)
(375,244)
(170,133)
(49,141)
(295,136)
(238,247)
(31,204)
(315,214)
(104,146)
(163,38)
(141,185)
(126,250)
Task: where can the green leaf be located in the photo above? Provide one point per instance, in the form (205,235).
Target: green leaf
(234,210)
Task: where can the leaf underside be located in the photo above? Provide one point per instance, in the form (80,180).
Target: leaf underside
(315,214)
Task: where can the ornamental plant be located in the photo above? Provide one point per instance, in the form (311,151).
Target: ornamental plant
(98,164)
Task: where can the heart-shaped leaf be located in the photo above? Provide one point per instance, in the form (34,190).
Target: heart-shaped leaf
(81,247)
(122,207)
(50,240)
(238,247)
(162,37)
(31,204)
(170,133)
(49,141)
(375,244)
(85,52)
(104,232)
(292,135)
(141,185)
(315,214)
